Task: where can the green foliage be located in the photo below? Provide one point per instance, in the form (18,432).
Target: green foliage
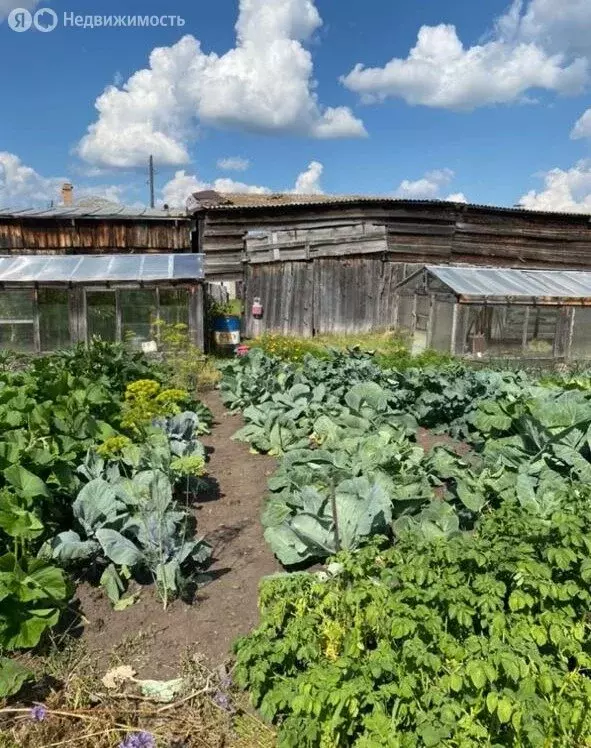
(129,528)
(98,359)
(145,400)
(186,365)
(13,677)
(288,349)
(230,308)
(480,639)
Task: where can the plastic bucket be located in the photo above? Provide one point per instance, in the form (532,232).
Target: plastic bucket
(226,333)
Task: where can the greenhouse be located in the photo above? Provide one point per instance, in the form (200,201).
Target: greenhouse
(498,312)
(48,302)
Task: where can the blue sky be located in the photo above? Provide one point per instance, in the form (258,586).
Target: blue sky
(484,102)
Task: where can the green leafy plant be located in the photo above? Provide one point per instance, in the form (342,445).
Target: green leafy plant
(188,368)
(131,528)
(455,639)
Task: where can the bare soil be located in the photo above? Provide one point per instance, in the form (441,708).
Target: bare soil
(427,440)
(228,516)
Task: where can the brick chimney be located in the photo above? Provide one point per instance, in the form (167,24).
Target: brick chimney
(67,193)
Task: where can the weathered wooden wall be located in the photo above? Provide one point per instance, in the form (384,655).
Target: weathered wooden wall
(93,236)
(416,232)
(324,295)
(333,266)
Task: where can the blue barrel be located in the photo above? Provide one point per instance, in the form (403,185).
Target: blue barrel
(226,333)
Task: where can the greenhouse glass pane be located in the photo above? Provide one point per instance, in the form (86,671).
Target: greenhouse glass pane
(17,304)
(174,306)
(138,314)
(541,331)
(581,345)
(101,315)
(17,337)
(54,319)
(442,326)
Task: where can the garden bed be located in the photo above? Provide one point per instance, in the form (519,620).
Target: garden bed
(229,517)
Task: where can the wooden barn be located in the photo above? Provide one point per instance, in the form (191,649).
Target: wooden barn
(323,264)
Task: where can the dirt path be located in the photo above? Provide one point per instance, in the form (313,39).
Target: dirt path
(229,517)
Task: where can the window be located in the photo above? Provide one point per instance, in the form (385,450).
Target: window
(17,326)
(54,319)
(101,315)
(138,313)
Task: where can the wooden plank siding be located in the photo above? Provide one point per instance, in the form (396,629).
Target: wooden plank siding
(416,232)
(334,268)
(94,236)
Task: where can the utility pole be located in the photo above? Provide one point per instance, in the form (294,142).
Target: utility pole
(151,181)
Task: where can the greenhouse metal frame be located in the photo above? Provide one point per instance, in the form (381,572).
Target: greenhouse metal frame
(50,302)
(484,312)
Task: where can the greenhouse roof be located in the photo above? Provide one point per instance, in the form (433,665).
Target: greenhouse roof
(144,268)
(508,284)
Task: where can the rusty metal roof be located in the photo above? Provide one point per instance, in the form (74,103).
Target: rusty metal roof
(144,268)
(90,212)
(482,283)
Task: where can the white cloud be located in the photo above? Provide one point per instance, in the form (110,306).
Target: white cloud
(22,186)
(264,84)
(429,187)
(544,47)
(457,197)
(6,6)
(582,128)
(233,163)
(558,26)
(176,192)
(568,191)
(308,182)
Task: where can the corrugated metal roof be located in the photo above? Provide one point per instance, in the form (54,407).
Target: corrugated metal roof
(241,201)
(491,283)
(144,268)
(121,212)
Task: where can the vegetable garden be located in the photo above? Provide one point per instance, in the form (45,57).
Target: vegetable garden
(455,611)
(452,603)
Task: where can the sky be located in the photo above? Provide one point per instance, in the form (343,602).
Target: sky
(487,103)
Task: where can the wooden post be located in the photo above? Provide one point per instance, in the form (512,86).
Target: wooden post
(118,322)
(571,332)
(196,316)
(36,325)
(454,329)
(429,339)
(525,331)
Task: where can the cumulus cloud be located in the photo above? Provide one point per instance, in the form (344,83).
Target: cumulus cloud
(457,197)
(233,163)
(582,128)
(6,6)
(23,187)
(429,187)
(264,84)
(176,192)
(308,182)
(568,190)
(542,46)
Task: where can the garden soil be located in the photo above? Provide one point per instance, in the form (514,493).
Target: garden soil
(153,640)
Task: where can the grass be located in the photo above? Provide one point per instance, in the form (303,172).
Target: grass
(81,711)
